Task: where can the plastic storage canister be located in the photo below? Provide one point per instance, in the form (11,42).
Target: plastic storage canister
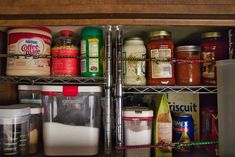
(14,130)
(71,120)
(213,49)
(134,71)
(160,48)
(188,69)
(91,52)
(137,130)
(226,98)
(65,47)
(29,41)
(29,94)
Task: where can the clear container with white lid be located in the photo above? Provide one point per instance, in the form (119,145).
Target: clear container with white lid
(138,130)
(14,130)
(35,121)
(29,94)
(71,120)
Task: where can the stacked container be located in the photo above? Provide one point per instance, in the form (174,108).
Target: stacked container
(71,120)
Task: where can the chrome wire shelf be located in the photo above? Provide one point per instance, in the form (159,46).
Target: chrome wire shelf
(169,89)
(54,80)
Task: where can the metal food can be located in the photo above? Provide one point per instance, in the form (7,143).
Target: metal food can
(183,130)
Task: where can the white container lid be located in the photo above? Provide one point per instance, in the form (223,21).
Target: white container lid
(88,89)
(14,111)
(34,108)
(137,112)
(29,87)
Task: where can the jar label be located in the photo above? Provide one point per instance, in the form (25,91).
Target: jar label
(208,68)
(83,56)
(65,66)
(163,68)
(94,54)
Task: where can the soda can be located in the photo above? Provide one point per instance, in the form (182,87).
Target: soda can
(183,130)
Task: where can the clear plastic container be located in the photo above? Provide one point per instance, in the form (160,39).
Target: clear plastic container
(71,120)
(226,109)
(29,94)
(138,130)
(14,130)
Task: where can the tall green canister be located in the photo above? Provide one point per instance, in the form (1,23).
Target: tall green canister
(91,51)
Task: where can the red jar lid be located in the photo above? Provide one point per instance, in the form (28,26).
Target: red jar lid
(66,32)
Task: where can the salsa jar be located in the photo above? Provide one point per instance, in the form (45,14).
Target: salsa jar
(91,52)
(160,47)
(188,69)
(29,42)
(134,69)
(213,49)
(65,55)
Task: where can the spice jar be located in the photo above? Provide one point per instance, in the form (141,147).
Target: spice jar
(91,51)
(134,71)
(14,130)
(65,55)
(188,70)
(213,49)
(160,70)
(138,130)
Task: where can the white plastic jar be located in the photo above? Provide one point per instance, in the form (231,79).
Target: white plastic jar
(71,120)
(138,130)
(30,41)
(14,130)
(29,94)
(134,71)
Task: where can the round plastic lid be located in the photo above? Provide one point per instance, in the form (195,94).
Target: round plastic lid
(137,112)
(34,108)
(91,31)
(84,89)
(29,87)
(15,110)
(66,32)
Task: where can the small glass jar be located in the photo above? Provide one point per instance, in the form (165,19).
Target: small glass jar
(14,130)
(65,55)
(160,48)
(29,94)
(134,70)
(188,70)
(213,49)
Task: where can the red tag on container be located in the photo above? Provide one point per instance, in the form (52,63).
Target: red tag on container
(70,90)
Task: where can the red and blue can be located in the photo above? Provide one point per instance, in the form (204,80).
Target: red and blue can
(183,130)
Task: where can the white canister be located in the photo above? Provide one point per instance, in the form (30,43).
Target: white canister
(138,130)
(134,70)
(30,41)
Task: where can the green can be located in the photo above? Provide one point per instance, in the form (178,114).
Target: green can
(91,51)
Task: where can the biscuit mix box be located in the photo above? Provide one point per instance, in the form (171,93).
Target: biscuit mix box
(189,104)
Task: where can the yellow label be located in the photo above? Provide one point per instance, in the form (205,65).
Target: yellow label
(94,54)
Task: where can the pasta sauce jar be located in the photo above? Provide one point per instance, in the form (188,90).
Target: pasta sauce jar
(160,48)
(29,41)
(134,70)
(65,55)
(213,49)
(187,68)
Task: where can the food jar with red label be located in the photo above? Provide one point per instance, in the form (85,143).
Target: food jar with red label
(213,49)
(160,70)
(26,43)
(65,55)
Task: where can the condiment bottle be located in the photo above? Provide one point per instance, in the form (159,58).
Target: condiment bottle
(91,51)
(188,69)
(134,70)
(160,71)
(65,55)
(213,49)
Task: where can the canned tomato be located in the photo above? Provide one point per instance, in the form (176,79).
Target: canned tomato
(30,41)
(183,130)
